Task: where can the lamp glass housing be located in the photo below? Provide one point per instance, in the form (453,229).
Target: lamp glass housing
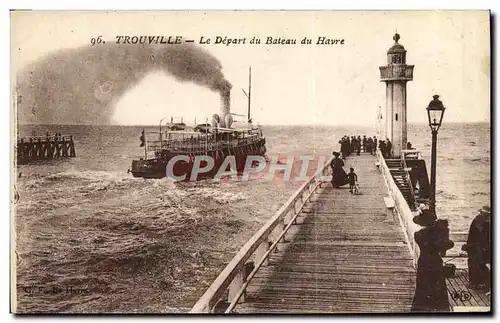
(435,113)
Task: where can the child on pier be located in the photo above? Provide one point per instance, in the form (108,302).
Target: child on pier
(352,178)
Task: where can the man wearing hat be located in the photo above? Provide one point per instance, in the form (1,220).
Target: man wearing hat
(478,249)
(433,241)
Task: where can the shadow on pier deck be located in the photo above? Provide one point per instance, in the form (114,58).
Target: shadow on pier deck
(347,253)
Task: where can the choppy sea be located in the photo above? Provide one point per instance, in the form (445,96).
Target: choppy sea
(90,238)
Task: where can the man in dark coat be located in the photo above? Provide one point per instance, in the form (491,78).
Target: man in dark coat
(369,145)
(478,249)
(348,145)
(381,146)
(343,147)
(388,145)
(358,145)
(364,143)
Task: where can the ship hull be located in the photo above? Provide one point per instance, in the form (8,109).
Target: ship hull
(157,167)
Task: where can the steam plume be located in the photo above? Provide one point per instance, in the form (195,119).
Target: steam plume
(79,86)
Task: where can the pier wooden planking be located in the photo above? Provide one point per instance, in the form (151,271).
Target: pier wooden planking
(347,254)
(464,299)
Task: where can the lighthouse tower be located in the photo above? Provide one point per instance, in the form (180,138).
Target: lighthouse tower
(395,75)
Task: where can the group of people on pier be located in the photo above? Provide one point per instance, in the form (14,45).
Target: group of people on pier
(352,144)
(340,177)
(355,144)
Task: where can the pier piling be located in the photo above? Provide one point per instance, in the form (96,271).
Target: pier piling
(44,148)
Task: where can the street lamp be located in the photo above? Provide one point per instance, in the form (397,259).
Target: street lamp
(435,112)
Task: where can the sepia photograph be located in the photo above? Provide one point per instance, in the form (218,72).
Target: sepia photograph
(250,162)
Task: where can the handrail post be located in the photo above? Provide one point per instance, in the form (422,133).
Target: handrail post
(295,209)
(236,284)
(282,227)
(261,250)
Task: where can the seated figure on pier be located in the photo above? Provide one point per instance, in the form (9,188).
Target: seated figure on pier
(339,176)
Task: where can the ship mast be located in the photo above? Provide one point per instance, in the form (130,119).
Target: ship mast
(249,90)
(249,93)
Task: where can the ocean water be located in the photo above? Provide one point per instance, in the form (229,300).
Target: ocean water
(91,238)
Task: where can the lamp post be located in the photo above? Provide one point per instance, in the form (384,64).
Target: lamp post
(435,112)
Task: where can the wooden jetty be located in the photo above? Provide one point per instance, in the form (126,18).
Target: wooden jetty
(43,148)
(327,251)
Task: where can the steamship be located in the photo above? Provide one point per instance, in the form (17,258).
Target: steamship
(220,139)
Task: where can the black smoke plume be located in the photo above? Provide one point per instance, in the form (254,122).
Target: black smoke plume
(79,86)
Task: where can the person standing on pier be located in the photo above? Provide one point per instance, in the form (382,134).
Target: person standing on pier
(352,178)
(388,146)
(364,143)
(344,146)
(358,145)
(348,146)
(381,147)
(433,241)
(369,145)
(478,249)
(375,143)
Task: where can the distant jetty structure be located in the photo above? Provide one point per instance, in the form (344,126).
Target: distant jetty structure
(35,148)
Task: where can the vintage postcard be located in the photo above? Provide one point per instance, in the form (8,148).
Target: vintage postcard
(250,162)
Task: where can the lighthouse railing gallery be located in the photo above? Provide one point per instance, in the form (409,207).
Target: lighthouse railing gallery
(396,72)
(259,248)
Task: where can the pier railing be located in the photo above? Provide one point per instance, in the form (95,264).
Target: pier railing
(410,183)
(201,144)
(404,213)
(258,249)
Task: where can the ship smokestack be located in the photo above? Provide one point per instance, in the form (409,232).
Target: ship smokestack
(225,108)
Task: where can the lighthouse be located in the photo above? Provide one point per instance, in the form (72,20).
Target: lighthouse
(395,75)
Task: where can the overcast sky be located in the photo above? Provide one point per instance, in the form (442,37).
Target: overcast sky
(292,84)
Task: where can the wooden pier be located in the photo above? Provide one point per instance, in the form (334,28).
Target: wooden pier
(328,251)
(347,253)
(44,148)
